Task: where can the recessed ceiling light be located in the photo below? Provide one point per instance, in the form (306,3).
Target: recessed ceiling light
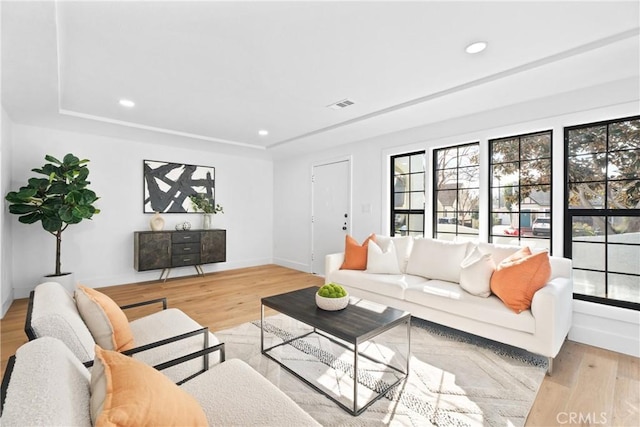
(476,47)
(127,103)
(263,132)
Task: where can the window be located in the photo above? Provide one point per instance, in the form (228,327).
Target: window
(520,183)
(407,193)
(602,205)
(456,177)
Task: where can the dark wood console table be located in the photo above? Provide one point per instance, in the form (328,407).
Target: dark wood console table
(155,250)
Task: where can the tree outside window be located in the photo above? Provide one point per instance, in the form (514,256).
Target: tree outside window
(457,192)
(520,183)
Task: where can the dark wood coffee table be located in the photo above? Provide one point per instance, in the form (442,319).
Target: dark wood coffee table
(353,326)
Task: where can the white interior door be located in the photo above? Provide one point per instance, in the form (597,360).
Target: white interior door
(331,211)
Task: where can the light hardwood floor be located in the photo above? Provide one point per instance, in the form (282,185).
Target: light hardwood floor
(590,386)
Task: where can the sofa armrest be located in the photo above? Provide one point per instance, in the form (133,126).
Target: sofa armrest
(204,331)
(560,267)
(332,262)
(163,300)
(200,353)
(5,381)
(552,308)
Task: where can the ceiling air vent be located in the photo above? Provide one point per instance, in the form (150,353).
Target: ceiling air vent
(341,104)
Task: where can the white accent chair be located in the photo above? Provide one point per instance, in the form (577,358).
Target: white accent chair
(46,385)
(158,337)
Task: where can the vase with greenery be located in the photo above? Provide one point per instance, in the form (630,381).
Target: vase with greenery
(57,198)
(202,203)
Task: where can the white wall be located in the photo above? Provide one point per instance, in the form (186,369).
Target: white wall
(6,288)
(370,162)
(100,251)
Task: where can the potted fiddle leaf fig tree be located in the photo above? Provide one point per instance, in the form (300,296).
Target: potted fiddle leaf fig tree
(57,198)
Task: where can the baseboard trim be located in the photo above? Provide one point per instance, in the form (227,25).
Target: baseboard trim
(611,328)
(7,304)
(606,340)
(153,275)
(305,268)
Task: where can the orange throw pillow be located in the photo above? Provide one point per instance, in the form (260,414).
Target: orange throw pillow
(126,392)
(355,255)
(106,321)
(520,276)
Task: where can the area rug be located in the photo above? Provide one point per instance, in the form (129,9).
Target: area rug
(455,379)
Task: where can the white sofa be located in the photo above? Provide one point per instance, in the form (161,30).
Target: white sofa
(541,329)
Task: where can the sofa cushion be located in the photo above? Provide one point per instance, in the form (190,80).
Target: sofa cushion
(382,262)
(403,245)
(257,403)
(106,321)
(355,255)
(136,394)
(475,273)
(498,251)
(451,298)
(54,314)
(437,259)
(392,285)
(518,277)
(166,324)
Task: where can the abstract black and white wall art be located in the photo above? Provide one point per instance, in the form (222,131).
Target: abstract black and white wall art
(167,186)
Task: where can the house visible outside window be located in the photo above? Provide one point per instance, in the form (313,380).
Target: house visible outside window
(456,178)
(407,194)
(520,183)
(602,206)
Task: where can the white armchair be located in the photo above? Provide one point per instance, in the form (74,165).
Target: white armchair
(46,385)
(158,337)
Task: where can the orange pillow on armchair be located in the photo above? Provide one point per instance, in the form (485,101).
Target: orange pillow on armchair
(355,255)
(519,277)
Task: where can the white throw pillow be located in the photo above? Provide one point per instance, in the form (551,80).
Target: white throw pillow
(475,273)
(499,252)
(382,262)
(437,259)
(403,245)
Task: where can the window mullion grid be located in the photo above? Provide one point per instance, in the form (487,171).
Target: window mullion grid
(491,187)
(457,210)
(606,215)
(607,212)
(520,189)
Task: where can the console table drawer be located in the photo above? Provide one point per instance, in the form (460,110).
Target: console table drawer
(185,237)
(185,248)
(184,260)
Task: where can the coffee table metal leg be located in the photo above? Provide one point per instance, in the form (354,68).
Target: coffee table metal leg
(355,379)
(408,344)
(261,328)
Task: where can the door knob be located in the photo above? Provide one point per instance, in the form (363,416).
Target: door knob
(344,227)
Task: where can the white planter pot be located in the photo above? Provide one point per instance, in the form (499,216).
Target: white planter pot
(67,280)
